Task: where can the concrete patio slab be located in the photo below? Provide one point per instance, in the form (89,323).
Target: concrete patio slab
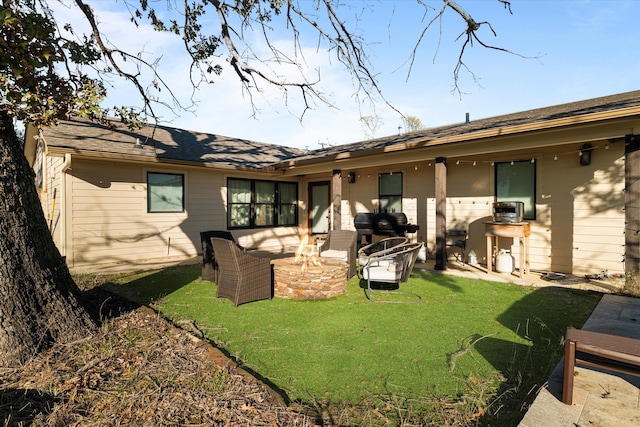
(600,398)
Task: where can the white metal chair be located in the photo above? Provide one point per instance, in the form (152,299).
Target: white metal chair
(366,251)
(391,266)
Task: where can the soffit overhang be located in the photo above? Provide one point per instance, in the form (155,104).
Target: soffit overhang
(148,160)
(607,125)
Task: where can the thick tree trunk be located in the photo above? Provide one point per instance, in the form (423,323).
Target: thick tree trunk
(39,301)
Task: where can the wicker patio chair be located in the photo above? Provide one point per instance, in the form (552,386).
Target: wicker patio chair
(242,277)
(341,244)
(366,251)
(209,266)
(391,266)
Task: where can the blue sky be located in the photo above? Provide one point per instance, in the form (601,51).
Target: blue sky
(584,49)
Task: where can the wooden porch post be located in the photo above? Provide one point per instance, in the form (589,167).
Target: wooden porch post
(632,207)
(441,212)
(336,202)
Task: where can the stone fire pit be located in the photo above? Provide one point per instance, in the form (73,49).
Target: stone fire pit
(326,280)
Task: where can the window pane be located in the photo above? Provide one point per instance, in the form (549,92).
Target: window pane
(165,192)
(517,182)
(391,204)
(288,202)
(264,215)
(239,215)
(265,192)
(287,215)
(287,192)
(239,191)
(252,203)
(391,184)
(390,192)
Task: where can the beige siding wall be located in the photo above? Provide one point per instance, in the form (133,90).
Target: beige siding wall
(580,213)
(109,222)
(598,220)
(579,227)
(362,196)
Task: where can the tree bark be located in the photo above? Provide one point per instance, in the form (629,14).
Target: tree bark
(39,302)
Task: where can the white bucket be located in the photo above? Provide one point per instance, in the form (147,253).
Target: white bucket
(504,262)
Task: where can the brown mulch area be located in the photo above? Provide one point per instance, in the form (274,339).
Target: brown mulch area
(138,370)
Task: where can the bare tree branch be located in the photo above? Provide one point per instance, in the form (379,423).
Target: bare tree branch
(255,70)
(470,33)
(110,55)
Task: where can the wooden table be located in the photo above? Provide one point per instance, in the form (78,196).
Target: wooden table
(521,230)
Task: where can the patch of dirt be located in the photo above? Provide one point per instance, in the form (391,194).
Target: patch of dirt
(138,370)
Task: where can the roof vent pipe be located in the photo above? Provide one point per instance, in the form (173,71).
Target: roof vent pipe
(466,119)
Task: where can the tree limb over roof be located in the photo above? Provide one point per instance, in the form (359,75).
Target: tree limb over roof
(213,32)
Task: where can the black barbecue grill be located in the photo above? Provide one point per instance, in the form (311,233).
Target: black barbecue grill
(382,224)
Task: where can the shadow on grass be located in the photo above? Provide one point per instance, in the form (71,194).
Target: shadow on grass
(118,294)
(541,318)
(444,280)
(448,282)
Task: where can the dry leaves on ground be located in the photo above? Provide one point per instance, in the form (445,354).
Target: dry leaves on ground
(140,370)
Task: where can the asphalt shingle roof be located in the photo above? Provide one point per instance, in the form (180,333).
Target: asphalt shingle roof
(573,109)
(171,144)
(165,143)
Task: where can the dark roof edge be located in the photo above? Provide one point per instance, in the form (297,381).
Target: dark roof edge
(593,109)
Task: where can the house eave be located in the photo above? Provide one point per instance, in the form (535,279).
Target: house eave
(631,114)
(149,160)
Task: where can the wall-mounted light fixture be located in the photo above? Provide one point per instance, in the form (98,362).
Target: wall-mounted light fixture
(585,154)
(351,177)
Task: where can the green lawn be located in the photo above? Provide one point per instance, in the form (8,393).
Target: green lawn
(464,332)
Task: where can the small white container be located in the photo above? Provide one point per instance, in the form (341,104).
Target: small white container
(422,254)
(473,259)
